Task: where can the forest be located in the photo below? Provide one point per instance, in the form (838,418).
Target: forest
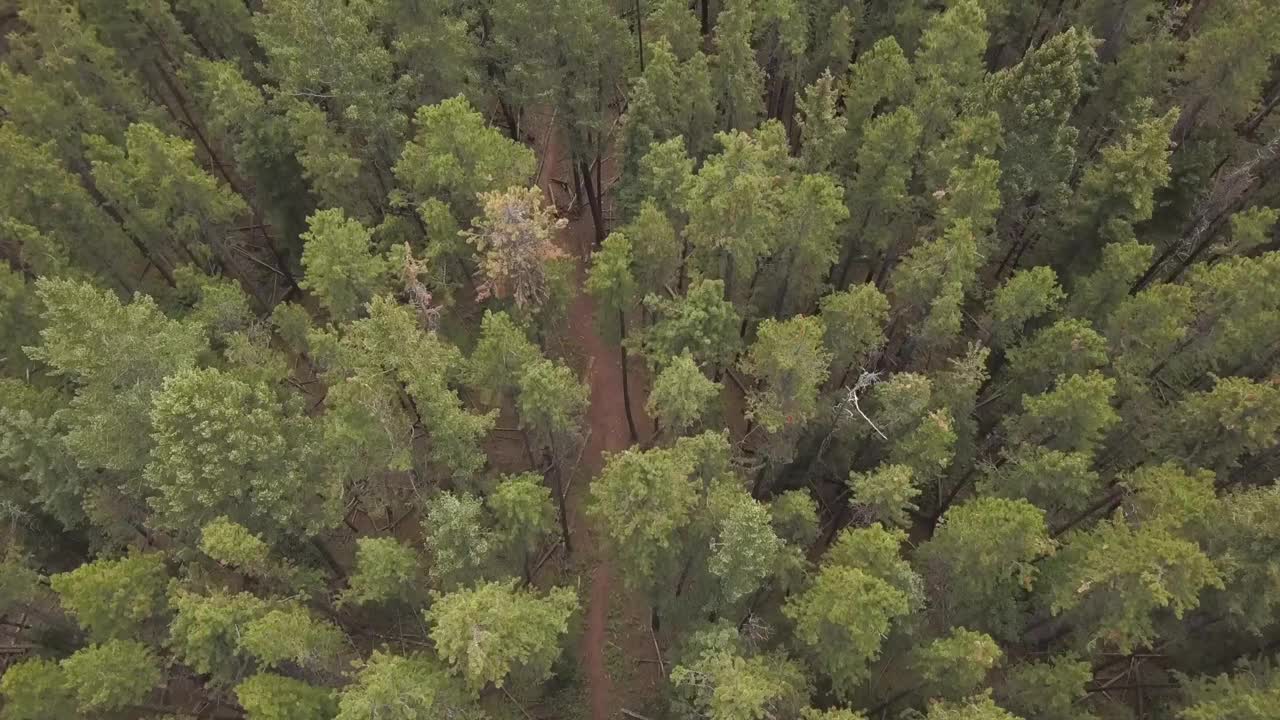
(639,359)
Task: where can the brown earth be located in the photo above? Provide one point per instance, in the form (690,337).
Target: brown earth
(611,619)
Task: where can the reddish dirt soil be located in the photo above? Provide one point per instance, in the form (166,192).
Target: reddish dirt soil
(608,427)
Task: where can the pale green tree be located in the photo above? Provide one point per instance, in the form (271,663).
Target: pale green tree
(1050,689)
(119,356)
(717,680)
(35,689)
(701,323)
(643,498)
(226,447)
(841,621)
(888,492)
(981,558)
(854,320)
(455,156)
(956,665)
(164,197)
(494,632)
(267,696)
(790,364)
(340,265)
(500,356)
(398,687)
(291,634)
(386,571)
(459,539)
(682,395)
(524,515)
(111,676)
(114,599)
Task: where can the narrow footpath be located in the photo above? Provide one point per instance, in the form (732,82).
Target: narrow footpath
(607,423)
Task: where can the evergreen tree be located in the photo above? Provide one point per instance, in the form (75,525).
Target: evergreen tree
(339,266)
(413,687)
(514,238)
(276,697)
(225,447)
(681,395)
(114,599)
(494,630)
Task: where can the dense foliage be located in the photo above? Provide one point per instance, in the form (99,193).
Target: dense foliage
(715,359)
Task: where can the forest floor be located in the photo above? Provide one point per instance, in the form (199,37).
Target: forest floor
(616,652)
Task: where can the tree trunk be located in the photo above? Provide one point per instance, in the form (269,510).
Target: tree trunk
(728,273)
(684,262)
(528,449)
(640,33)
(328,558)
(577,187)
(593,199)
(839,284)
(758,486)
(558,489)
(1268,106)
(145,251)
(781,300)
(849,252)
(746,302)
(626,383)
(882,275)
(1152,269)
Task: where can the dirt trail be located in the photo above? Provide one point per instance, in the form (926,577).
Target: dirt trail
(608,433)
(608,426)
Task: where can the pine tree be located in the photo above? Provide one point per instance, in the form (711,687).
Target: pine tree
(207,629)
(981,579)
(276,697)
(717,681)
(879,79)
(514,240)
(454,157)
(164,198)
(34,688)
(877,193)
(1035,99)
(790,364)
(494,632)
(841,620)
(396,687)
(111,676)
(118,355)
(739,81)
(225,447)
(644,498)
(681,395)
(386,571)
(948,65)
(340,268)
(460,539)
(1051,689)
(114,599)
(702,323)
(730,237)
(612,283)
(1226,65)
(956,665)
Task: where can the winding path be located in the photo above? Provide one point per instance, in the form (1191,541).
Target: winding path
(608,425)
